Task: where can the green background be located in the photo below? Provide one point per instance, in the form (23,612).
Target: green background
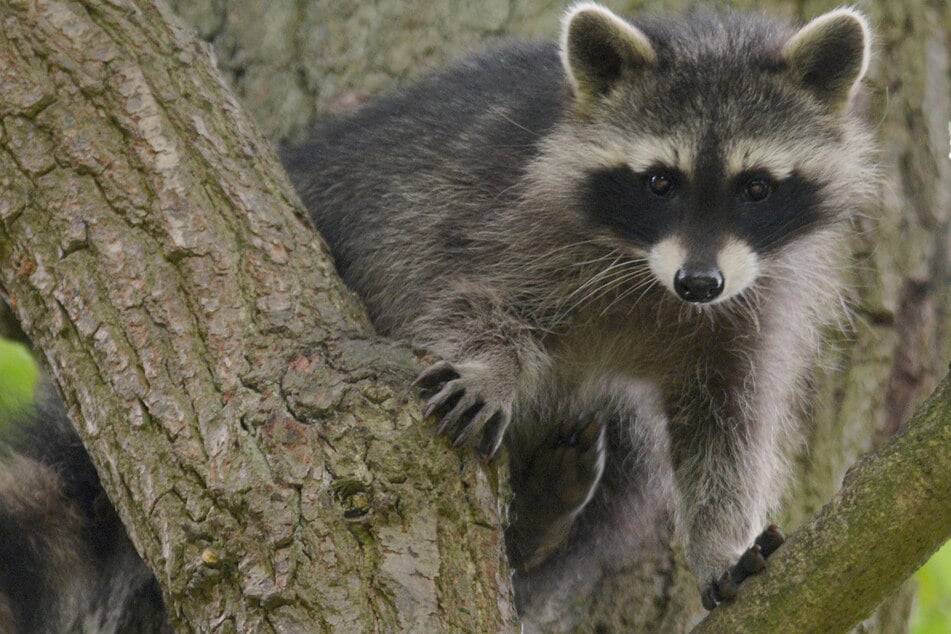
(932,613)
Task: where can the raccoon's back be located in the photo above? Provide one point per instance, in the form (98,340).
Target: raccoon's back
(410,188)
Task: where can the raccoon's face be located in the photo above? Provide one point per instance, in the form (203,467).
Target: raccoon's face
(705,231)
(707,147)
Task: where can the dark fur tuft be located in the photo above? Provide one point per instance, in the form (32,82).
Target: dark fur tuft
(66,564)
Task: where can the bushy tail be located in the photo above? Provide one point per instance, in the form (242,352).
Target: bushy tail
(66,564)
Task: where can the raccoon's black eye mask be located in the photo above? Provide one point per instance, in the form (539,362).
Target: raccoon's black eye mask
(644,207)
(786,209)
(634,206)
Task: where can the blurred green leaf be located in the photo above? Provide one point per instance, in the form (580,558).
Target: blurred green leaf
(17,378)
(932,614)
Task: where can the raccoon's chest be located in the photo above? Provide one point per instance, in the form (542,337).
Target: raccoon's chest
(637,341)
(600,359)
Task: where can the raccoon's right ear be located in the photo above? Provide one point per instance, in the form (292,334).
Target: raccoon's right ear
(829,56)
(598,48)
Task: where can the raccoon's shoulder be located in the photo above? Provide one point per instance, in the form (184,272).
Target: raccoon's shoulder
(521,85)
(495,105)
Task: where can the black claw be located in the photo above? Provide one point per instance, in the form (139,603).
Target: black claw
(489,445)
(493,435)
(726,587)
(769,540)
(445,400)
(437,373)
(463,411)
(465,414)
(752,561)
(462,436)
(444,424)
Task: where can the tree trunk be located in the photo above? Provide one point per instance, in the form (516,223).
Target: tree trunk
(251,430)
(253,433)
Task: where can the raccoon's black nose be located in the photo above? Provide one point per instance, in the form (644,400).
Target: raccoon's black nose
(698,286)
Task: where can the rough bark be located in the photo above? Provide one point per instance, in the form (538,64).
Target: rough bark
(253,433)
(282,446)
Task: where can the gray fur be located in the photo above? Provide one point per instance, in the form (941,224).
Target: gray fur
(456,210)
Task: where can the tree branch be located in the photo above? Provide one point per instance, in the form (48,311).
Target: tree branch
(893,512)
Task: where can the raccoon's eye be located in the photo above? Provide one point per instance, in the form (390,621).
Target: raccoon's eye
(661,184)
(758,189)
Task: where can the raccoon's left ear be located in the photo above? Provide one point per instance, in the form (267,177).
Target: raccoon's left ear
(598,48)
(829,56)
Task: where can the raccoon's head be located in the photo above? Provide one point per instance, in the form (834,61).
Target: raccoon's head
(710,146)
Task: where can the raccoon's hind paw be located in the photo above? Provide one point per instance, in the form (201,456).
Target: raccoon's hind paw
(466,402)
(552,482)
(750,563)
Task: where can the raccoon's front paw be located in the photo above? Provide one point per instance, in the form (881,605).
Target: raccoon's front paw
(750,563)
(468,398)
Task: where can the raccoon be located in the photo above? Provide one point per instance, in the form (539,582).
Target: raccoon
(623,249)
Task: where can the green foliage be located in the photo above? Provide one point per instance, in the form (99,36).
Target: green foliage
(932,614)
(17,378)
